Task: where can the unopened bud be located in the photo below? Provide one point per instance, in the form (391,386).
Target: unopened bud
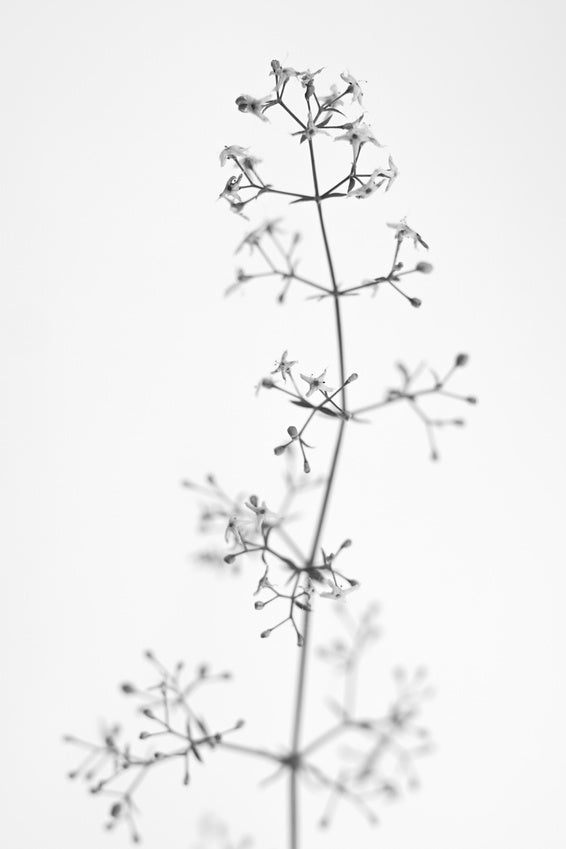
(458,422)
(240,724)
(292,431)
(265,634)
(471,399)
(461,360)
(279,449)
(229,558)
(267,383)
(147,712)
(116,809)
(127,688)
(259,605)
(144,735)
(353,376)
(306,467)
(300,640)
(415,302)
(423,267)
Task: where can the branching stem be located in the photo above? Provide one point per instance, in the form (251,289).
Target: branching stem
(301,675)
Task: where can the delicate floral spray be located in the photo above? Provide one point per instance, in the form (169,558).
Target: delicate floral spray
(291,579)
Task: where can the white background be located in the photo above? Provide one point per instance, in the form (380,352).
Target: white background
(124,369)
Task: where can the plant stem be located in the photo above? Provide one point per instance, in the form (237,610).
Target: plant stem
(301,676)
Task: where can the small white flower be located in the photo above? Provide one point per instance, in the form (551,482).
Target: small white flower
(232,151)
(284,365)
(353,87)
(307,77)
(231,190)
(234,530)
(331,99)
(310,131)
(253,238)
(317,383)
(403,231)
(374,183)
(264,516)
(256,106)
(390,173)
(281,74)
(337,593)
(237,152)
(358,134)
(367,189)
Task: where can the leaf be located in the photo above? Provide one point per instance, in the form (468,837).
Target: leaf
(318,409)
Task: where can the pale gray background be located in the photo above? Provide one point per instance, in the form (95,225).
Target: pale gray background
(123,370)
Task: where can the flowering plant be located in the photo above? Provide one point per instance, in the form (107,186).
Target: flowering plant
(291,579)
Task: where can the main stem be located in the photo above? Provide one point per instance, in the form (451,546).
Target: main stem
(301,678)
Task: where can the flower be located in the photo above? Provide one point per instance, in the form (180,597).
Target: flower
(231,190)
(284,365)
(255,106)
(331,99)
(307,77)
(235,152)
(337,593)
(252,239)
(317,383)
(281,74)
(406,232)
(234,530)
(390,173)
(262,512)
(353,87)
(310,131)
(358,134)
(367,189)
(232,151)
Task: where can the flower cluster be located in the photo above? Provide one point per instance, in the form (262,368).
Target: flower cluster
(179,734)
(257,530)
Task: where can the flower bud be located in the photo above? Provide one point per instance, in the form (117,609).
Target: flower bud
(259,605)
(300,640)
(116,809)
(306,467)
(267,383)
(424,267)
(127,688)
(292,431)
(265,634)
(353,376)
(229,558)
(415,302)
(279,449)
(461,360)
(471,399)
